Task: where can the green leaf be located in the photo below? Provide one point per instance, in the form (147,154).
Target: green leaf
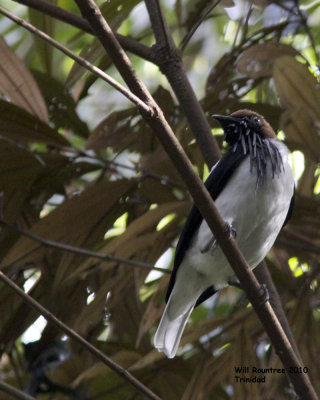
(46,24)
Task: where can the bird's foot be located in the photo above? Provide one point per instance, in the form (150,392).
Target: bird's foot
(234,282)
(230,229)
(264,294)
(212,243)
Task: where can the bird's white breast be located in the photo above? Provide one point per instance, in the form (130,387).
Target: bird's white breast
(256,213)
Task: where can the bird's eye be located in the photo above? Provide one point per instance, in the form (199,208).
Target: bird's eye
(256,120)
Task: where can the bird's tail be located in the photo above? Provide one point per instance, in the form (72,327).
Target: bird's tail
(169,332)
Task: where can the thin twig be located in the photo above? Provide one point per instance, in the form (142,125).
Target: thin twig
(301,239)
(74,335)
(309,248)
(176,76)
(17,365)
(84,63)
(165,179)
(75,20)
(205,13)
(80,251)
(14,392)
(263,275)
(259,34)
(296,11)
(169,60)
(245,26)
(159,25)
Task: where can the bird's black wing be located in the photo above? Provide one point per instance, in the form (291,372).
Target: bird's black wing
(215,183)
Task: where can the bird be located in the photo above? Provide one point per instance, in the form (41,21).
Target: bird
(253,188)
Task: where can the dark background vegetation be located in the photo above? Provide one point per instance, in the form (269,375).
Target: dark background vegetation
(79,166)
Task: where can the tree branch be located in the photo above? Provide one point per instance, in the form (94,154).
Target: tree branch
(169,59)
(14,392)
(75,20)
(301,241)
(205,13)
(113,165)
(83,252)
(129,95)
(309,248)
(74,335)
(175,73)
(159,26)
(202,198)
(263,275)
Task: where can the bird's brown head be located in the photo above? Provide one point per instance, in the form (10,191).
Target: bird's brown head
(244,122)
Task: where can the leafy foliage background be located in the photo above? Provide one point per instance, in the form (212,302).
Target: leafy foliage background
(78,165)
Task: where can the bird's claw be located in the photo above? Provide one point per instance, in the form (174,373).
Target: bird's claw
(264,296)
(234,282)
(230,229)
(212,243)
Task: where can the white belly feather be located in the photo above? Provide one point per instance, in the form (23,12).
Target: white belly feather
(257,215)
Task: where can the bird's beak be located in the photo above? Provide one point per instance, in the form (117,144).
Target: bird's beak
(225,120)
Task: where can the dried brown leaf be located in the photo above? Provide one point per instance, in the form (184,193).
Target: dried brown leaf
(19,169)
(158,189)
(297,87)
(113,131)
(61,104)
(258,60)
(196,388)
(78,221)
(126,129)
(18,125)
(308,178)
(18,84)
(147,360)
(153,310)
(301,131)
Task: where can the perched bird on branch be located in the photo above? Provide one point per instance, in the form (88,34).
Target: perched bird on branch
(253,189)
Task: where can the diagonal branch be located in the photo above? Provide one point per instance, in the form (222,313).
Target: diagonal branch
(169,59)
(83,62)
(75,20)
(83,342)
(263,275)
(202,198)
(78,250)
(205,14)
(14,392)
(160,26)
(170,64)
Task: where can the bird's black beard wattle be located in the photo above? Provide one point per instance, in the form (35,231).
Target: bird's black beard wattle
(241,137)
